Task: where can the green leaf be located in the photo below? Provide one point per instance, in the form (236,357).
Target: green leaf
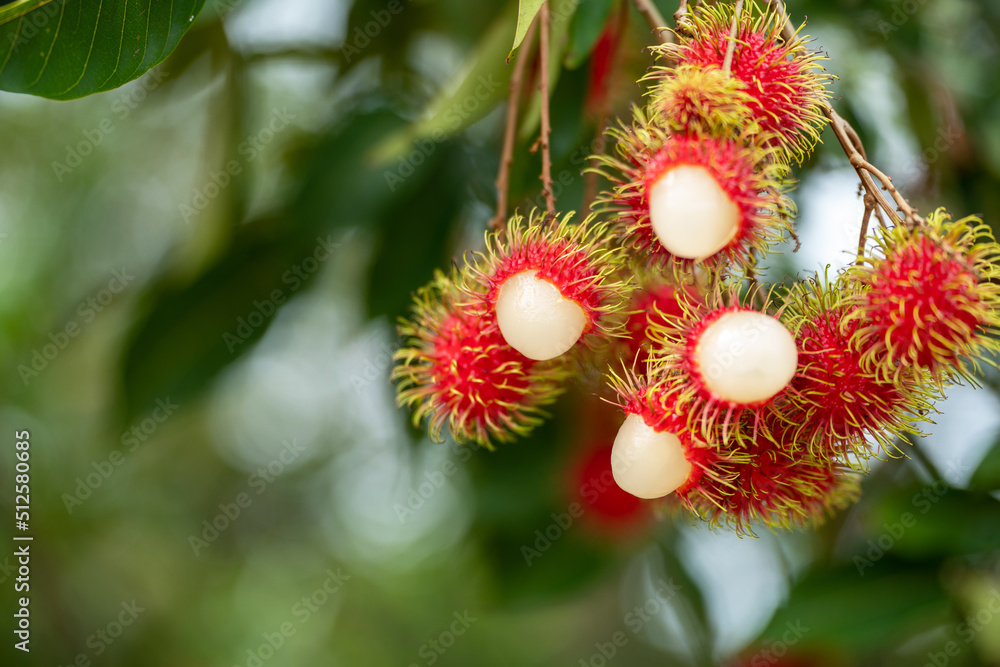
(526,11)
(987,475)
(67,49)
(586,28)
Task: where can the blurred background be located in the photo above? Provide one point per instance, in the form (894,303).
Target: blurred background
(200,274)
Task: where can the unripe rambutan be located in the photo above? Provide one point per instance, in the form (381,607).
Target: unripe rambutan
(455,368)
(721,361)
(931,300)
(784,81)
(550,283)
(684,199)
(691,98)
(837,406)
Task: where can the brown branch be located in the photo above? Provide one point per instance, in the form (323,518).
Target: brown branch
(510,131)
(727,62)
(655,20)
(863,236)
(682,11)
(543,83)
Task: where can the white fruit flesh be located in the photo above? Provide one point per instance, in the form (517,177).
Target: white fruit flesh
(691,215)
(535,319)
(746,357)
(646,463)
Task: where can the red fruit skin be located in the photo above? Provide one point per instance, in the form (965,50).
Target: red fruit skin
(837,400)
(783,92)
(922,297)
(658,305)
(475,372)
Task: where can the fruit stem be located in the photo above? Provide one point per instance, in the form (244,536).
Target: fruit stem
(863,235)
(510,131)
(655,20)
(727,62)
(543,83)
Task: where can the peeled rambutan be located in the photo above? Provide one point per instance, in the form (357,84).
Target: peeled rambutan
(683,199)
(931,300)
(721,361)
(784,80)
(455,369)
(550,283)
(654,453)
(837,406)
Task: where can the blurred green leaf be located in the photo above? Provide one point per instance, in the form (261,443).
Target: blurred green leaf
(64,50)
(987,475)
(585,29)
(526,11)
(839,607)
(471,94)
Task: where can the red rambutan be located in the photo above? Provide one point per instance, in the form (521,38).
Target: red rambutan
(931,300)
(455,368)
(784,81)
(836,405)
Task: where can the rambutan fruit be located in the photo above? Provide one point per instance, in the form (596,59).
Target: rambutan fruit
(837,405)
(657,302)
(454,368)
(784,81)
(777,484)
(550,283)
(654,454)
(931,300)
(691,98)
(721,361)
(687,199)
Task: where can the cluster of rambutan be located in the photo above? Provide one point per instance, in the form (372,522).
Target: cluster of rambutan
(749,405)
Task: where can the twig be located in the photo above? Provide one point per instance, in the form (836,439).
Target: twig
(863,235)
(543,82)
(727,62)
(682,11)
(655,20)
(510,131)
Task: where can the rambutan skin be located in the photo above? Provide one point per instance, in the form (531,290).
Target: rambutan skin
(578,259)
(836,405)
(929,298)
(753,182)
(455,369)
(785,83)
